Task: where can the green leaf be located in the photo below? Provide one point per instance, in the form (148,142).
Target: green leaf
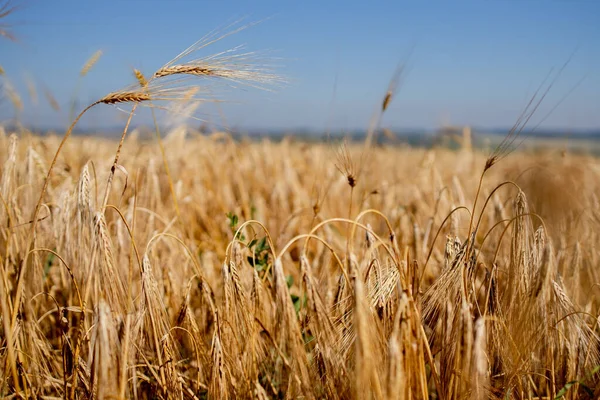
(49,262)
(257,263)
(307,338)
(262,245)
(233,220)
(296,301)
(593,372)
(561,393)
(289,280)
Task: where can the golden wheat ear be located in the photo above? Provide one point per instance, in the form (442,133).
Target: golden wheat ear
(89,64)
(235,65)
(345,164)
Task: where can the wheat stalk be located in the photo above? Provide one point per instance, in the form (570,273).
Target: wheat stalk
(89,64)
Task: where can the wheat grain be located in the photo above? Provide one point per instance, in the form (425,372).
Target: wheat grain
(124,97)
(140,78)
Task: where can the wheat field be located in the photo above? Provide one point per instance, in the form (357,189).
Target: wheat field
(188,265)
(256,277)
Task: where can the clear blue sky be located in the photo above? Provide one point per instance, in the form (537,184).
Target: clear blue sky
(473,62)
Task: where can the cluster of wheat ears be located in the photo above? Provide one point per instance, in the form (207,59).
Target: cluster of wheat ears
(197,266)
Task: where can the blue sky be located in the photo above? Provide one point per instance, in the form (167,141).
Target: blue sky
(472,62)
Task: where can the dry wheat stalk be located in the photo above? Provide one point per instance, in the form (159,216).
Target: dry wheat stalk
(51,99)
(84,203)
(109,275)
(480,365)
(9,165)
(13,96)
(6,9)
(89,64)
